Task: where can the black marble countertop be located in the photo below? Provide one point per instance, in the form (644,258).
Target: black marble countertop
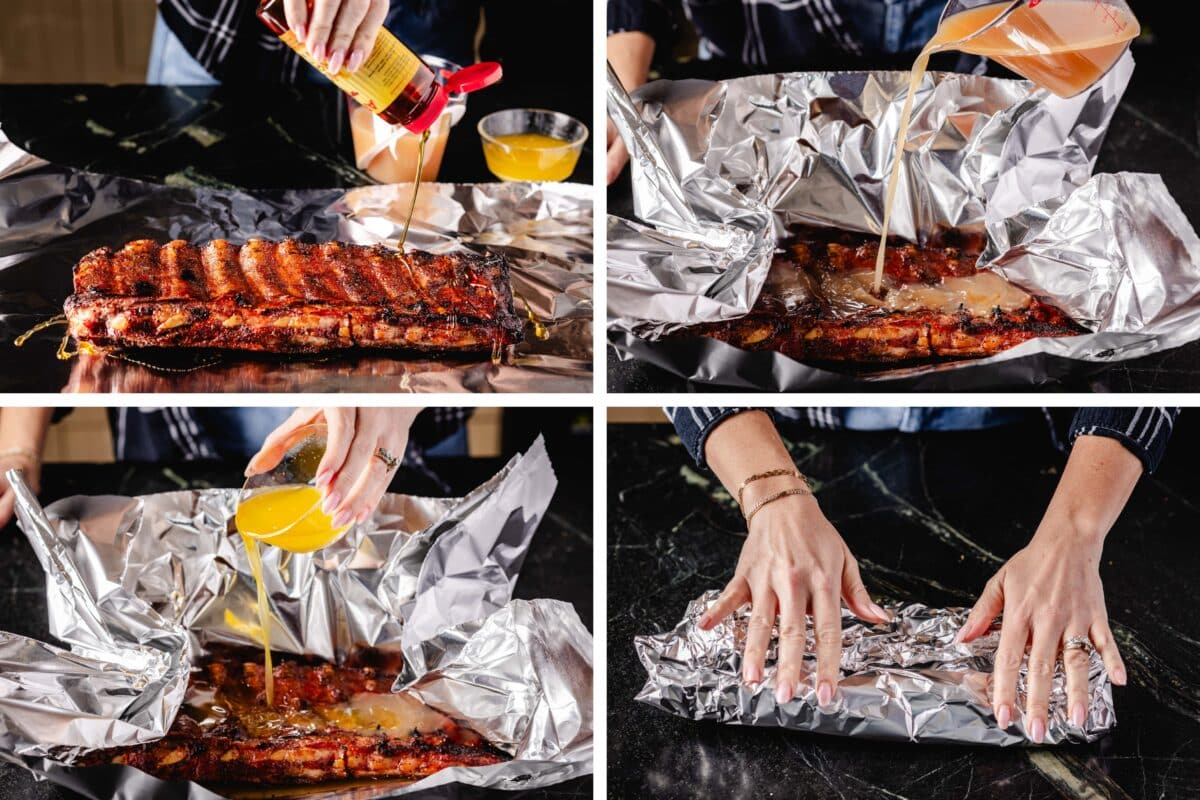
(559,563)
(1156,129)
(243,136)
(930,517)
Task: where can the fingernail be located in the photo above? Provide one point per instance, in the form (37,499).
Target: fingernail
(342,519)
(958,637)
(1118,676)
(1078,715)
(332,500)
(824,693)
(323,479)
(301,32)
(703,621)
(880,612)
(336,60)
(752,674)
(363,516)
(1037,730)
(318,52)
(1003,716)
(783,692)
(356,60)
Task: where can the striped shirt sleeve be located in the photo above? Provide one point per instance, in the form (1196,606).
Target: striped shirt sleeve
(695,423)
(1144,431)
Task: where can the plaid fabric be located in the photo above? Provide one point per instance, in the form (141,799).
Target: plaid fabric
(1145,432)
(230,42)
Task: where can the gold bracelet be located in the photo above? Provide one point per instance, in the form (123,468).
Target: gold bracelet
(773,498)
(771,473)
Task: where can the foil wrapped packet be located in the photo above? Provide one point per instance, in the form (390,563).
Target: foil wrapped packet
(140,588)
(723,170)
(51,216)
(905,680)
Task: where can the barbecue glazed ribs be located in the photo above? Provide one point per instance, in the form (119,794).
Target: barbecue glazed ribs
(817,304)
(290,297)
(328,723)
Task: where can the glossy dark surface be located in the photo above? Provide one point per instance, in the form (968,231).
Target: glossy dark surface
(930,517)
(1156,129)
(559,564)
(245,137)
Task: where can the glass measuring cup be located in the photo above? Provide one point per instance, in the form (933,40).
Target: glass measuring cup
(1064,46)
(282,506)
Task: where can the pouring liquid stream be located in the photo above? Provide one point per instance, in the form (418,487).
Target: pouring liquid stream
(412,206)
(290,518)
(1064,46)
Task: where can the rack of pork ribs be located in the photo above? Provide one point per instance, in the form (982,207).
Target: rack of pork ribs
(291,297)
(226,733)
(818,303)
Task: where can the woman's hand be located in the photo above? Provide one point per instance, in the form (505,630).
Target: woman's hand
(794,563)
(30,467)
(351,476)
(339,32)
(1050,591)
(630,54)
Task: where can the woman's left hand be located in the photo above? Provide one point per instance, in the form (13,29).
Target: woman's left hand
(1050,592)
(351,475)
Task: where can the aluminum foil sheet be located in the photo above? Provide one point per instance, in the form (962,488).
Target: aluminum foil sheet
(50,216)
(140,587)
(902,680)
(722,171)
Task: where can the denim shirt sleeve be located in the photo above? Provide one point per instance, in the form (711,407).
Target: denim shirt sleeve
(648,16)
(1144,431)
(695,423)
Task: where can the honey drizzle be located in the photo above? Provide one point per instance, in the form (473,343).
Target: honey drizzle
(540,331)
(61,319)
(412,206)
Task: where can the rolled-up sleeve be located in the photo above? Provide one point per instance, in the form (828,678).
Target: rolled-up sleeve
(695,423)
(648,16)
(1144,431)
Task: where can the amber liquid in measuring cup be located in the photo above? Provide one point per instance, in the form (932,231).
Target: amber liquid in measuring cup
(1064,46)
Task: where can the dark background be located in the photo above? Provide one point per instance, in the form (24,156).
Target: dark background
(919,512)
(558,565)
(1156,129)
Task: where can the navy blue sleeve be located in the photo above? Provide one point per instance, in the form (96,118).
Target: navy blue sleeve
(695,423)
(648,16)
(1144,431)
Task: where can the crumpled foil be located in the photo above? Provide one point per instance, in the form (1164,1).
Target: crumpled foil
(901,680)
(722,170)
(139,587)
(50,216)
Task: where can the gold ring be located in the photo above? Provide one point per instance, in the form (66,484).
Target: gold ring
(387,458)
(1078,643)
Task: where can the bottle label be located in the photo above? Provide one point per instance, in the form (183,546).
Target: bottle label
(383,75)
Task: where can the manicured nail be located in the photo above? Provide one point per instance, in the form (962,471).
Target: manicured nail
(356,60)
(783,692)
(879,612)
(824,693)
(1118,676)
(332,500)
(363,516)
(1004,716)
(1037,730)
(301,32)
(336,59)
(1078,715)
(343,519)
(752,674)
(703,621)
(323,479)
(318,52)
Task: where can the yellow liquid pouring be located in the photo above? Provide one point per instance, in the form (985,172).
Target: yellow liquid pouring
(291,519)
(530,157)
(412,206)
(1064,46)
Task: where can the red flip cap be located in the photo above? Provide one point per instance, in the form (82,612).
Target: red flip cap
(466,80)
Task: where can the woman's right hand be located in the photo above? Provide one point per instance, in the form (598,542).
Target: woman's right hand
(793,563)
(338,32)
(32,471)
(630,54)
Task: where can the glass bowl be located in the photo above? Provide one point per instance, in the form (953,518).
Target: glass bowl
(531,144)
